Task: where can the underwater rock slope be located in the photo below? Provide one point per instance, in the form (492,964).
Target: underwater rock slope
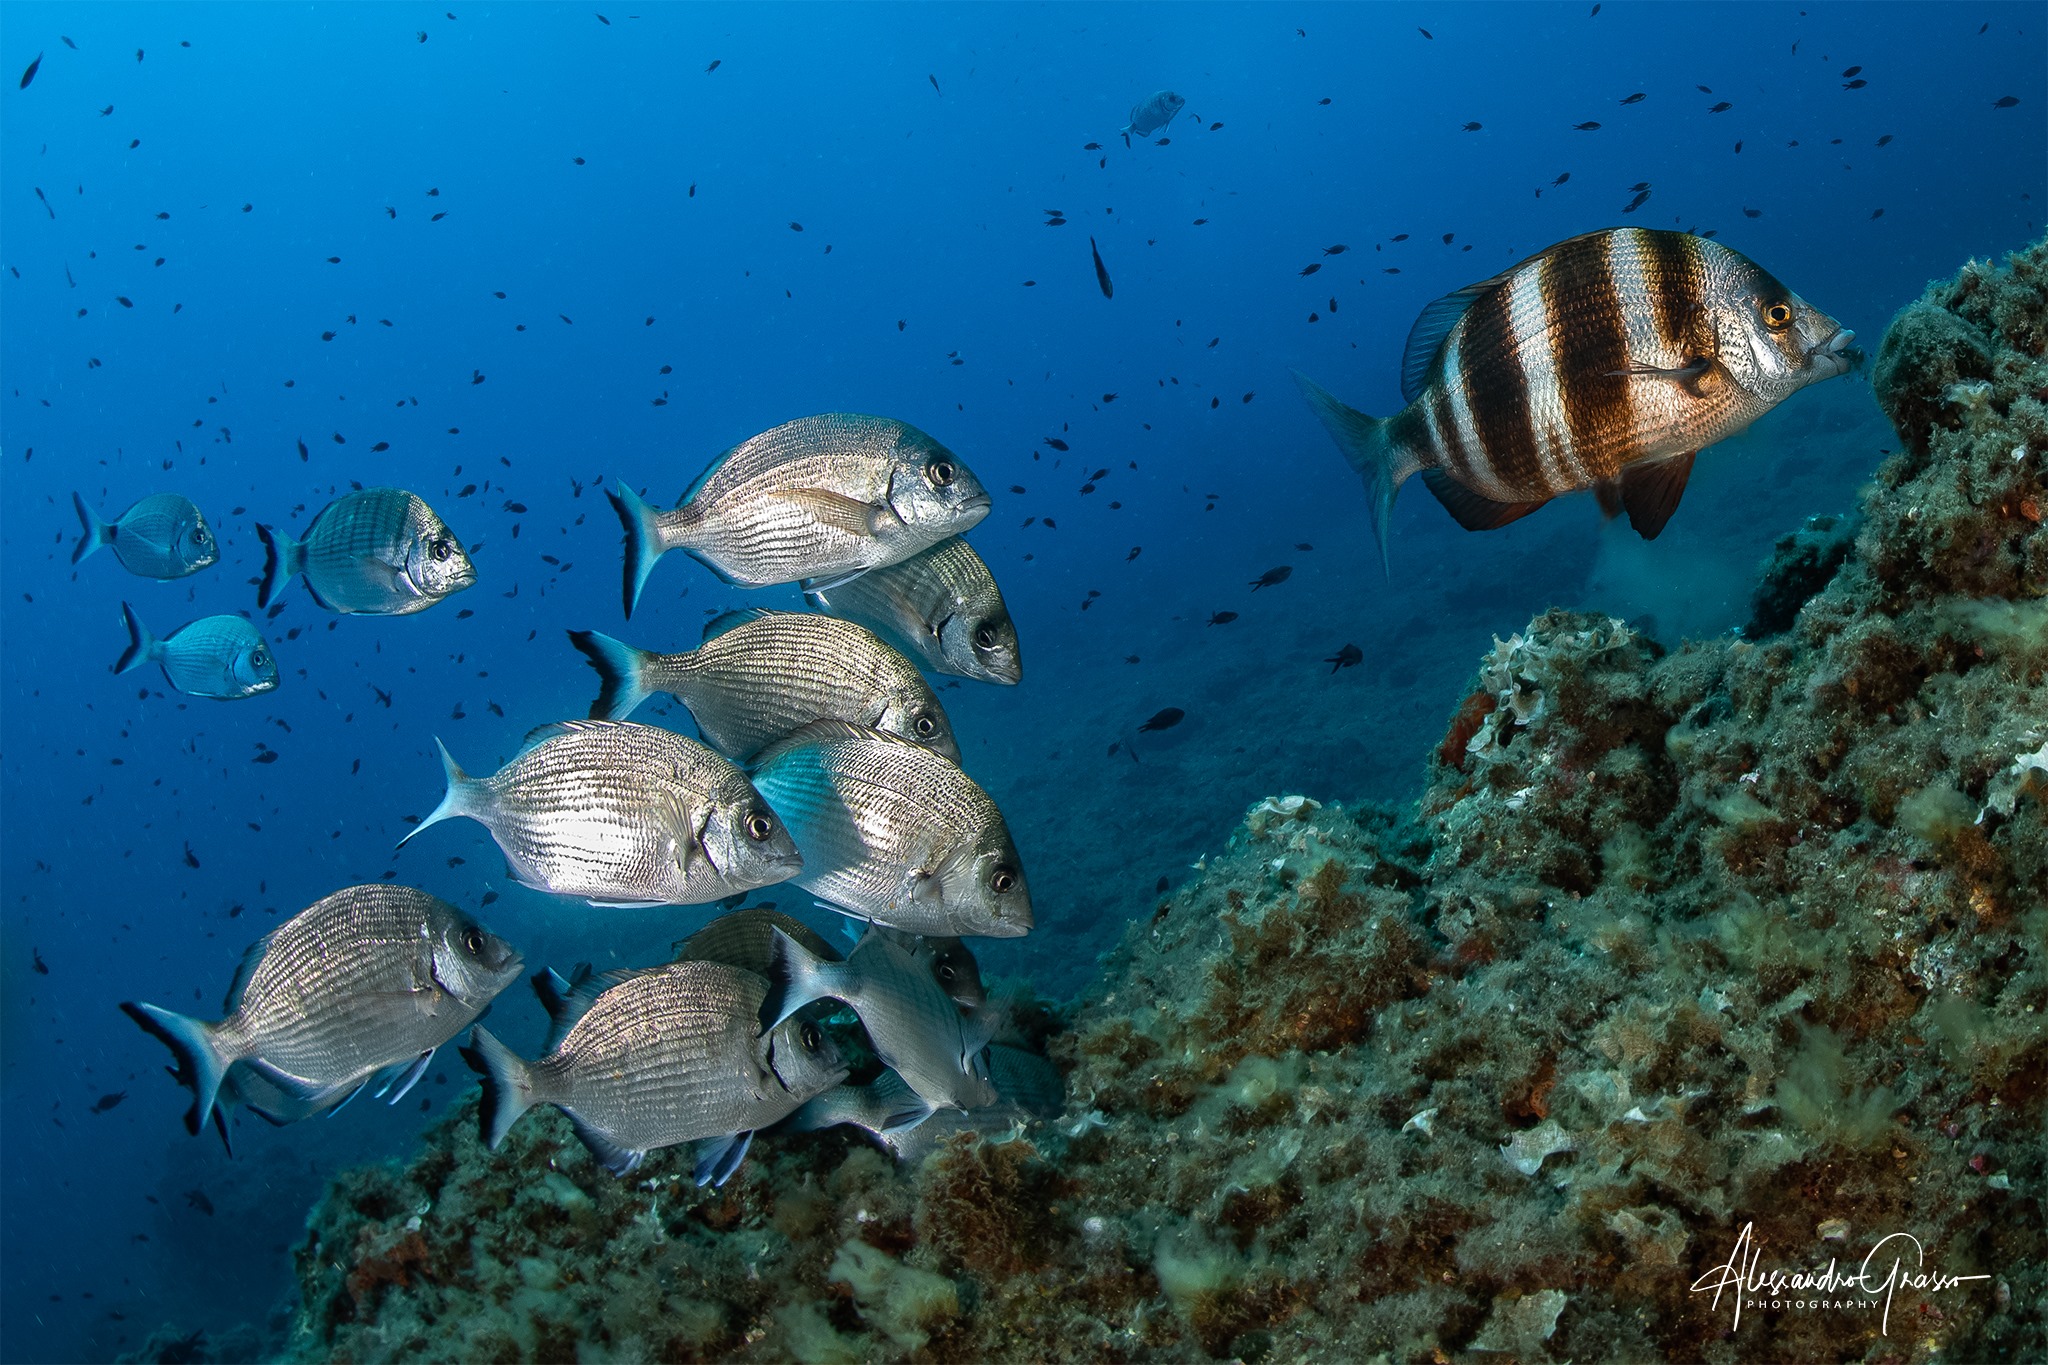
(1747,933)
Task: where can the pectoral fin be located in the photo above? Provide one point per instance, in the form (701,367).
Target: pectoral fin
(1692,369)
(404,1076)
(854,517)
(718,1158)
(813,586)
(1608,492)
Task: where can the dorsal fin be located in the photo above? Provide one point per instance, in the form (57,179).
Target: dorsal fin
(244,970)
(568,999)
(541,734)
(1434,323)
(697,484)
(1651,492)
(1473,512)
(739,616)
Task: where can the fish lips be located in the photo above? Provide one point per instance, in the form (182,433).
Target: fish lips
(1837,355)
(973,509)
(770,867)
(1010,924)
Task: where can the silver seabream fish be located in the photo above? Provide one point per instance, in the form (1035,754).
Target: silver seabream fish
(1604,362)
(374,552)
(940,606)
(760,675)
(746,938)
(655,1058)
(895,834)
(162,536)
(360,986)
(1151,114)
(949,961)
(917,1031)
(622,815)
(223,657)
(1028,1087)
(820,498)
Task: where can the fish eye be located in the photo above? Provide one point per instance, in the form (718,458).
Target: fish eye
(199,535)
(759,827)
(441,549)
(474,942)
(945,972)
(1778,316)
(985,637)
(942,472)
(925,726)
(1003,879)
(809,1037)
(260,659)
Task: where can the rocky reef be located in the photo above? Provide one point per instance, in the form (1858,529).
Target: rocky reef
(1746,935)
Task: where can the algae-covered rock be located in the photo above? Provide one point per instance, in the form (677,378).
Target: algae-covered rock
(1744,944)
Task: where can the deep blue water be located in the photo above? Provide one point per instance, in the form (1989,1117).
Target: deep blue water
(563,152)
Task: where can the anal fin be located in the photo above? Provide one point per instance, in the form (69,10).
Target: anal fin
(1471,511)
(1651,492)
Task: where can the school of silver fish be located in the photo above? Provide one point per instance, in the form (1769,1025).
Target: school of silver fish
(1603,363)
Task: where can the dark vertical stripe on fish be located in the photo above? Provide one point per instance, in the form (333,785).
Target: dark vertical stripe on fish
(1592,353)
(1496,391)
(1667,272)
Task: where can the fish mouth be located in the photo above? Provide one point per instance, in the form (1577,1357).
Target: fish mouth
(783,865)
(1008,926)
(1838,354)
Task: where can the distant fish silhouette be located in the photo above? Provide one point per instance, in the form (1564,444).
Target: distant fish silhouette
(1101,271)
(1152,114)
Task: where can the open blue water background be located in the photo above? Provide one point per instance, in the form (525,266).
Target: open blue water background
(562,150)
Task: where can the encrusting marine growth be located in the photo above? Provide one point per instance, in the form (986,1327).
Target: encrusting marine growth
(1746,934)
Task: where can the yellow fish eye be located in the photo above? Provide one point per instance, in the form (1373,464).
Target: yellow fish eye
(1778,316)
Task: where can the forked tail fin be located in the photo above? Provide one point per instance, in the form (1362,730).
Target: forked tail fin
(141,643)
(621,670)
(283,560)
(508,1084)
(1363,440)
(643,540)
(97,532)
(456,801)
(191,1041)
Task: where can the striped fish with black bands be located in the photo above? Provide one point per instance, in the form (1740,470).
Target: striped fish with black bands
(1604,362)
(1668,279)
(1592,352)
